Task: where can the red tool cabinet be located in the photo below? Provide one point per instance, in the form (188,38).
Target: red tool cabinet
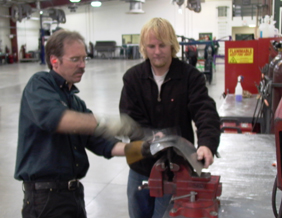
(245,58)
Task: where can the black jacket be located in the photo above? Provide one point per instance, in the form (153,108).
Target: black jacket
(183,98)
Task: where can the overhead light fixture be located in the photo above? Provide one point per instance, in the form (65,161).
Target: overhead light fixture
(135,6)
(74,1)
(96,4)
(73,7)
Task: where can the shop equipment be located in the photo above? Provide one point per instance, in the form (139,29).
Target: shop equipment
(178,172)
(278,141)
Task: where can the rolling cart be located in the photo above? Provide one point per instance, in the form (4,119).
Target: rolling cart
(205,58)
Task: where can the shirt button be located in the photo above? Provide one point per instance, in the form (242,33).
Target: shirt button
(74,147)
(77,165)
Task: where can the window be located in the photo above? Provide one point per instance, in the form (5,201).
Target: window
(130,39)
(222,11)
(243,8)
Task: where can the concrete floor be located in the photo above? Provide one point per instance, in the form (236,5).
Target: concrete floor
(245,167)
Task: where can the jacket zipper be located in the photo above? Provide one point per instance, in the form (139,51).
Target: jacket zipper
(159,93)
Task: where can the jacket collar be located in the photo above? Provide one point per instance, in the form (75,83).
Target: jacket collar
(62,83)
(174,71)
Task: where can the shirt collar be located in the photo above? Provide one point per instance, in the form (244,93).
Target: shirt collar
(174,71)
(62,83)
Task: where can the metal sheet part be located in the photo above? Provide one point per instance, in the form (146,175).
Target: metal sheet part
(186,148)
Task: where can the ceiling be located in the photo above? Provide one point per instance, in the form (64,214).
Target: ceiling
(20,9)
(42,4)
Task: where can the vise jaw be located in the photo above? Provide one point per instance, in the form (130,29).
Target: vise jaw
(193,195)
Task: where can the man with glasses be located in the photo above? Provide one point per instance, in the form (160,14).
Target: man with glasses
(55,127)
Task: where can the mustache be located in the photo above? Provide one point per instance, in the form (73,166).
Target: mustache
(79,71)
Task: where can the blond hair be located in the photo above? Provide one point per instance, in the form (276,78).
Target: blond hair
(163,31)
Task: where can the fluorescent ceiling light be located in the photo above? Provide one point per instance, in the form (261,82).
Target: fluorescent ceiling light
(179,10)
(96,4)
(74,1)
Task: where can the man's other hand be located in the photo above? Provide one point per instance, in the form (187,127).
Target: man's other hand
(205,154)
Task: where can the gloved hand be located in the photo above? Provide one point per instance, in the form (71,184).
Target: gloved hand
(138,157)
(118,126)
(136,151)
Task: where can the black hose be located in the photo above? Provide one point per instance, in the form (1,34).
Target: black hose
(273,199)
(280,210)
(259,113)
(254,115)
(274,209)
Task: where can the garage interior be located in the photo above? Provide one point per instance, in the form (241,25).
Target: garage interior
(249,162)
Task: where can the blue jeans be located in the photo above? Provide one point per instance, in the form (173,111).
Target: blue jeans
(140,203)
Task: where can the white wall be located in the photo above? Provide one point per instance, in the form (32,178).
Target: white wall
(28,34)
(4,30)
(27,31)
(111,20)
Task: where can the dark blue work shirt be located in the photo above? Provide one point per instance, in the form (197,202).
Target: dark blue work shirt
(43,154)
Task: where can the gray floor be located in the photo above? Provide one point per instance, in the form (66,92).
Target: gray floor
(245,168)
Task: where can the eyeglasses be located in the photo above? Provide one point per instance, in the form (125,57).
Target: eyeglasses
(78,59)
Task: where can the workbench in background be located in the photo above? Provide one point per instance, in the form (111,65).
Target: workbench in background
(247,111)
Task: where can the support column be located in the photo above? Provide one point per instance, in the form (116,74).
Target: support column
(14,39)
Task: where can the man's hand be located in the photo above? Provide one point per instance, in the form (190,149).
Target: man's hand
(138,157)
(136,151)
(205,154)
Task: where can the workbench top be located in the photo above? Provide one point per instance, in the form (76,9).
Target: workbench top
(230,108)
(247,175)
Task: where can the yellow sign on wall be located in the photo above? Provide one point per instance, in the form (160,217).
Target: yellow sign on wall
(241,55)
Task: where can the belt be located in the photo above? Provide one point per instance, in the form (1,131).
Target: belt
(70,185)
